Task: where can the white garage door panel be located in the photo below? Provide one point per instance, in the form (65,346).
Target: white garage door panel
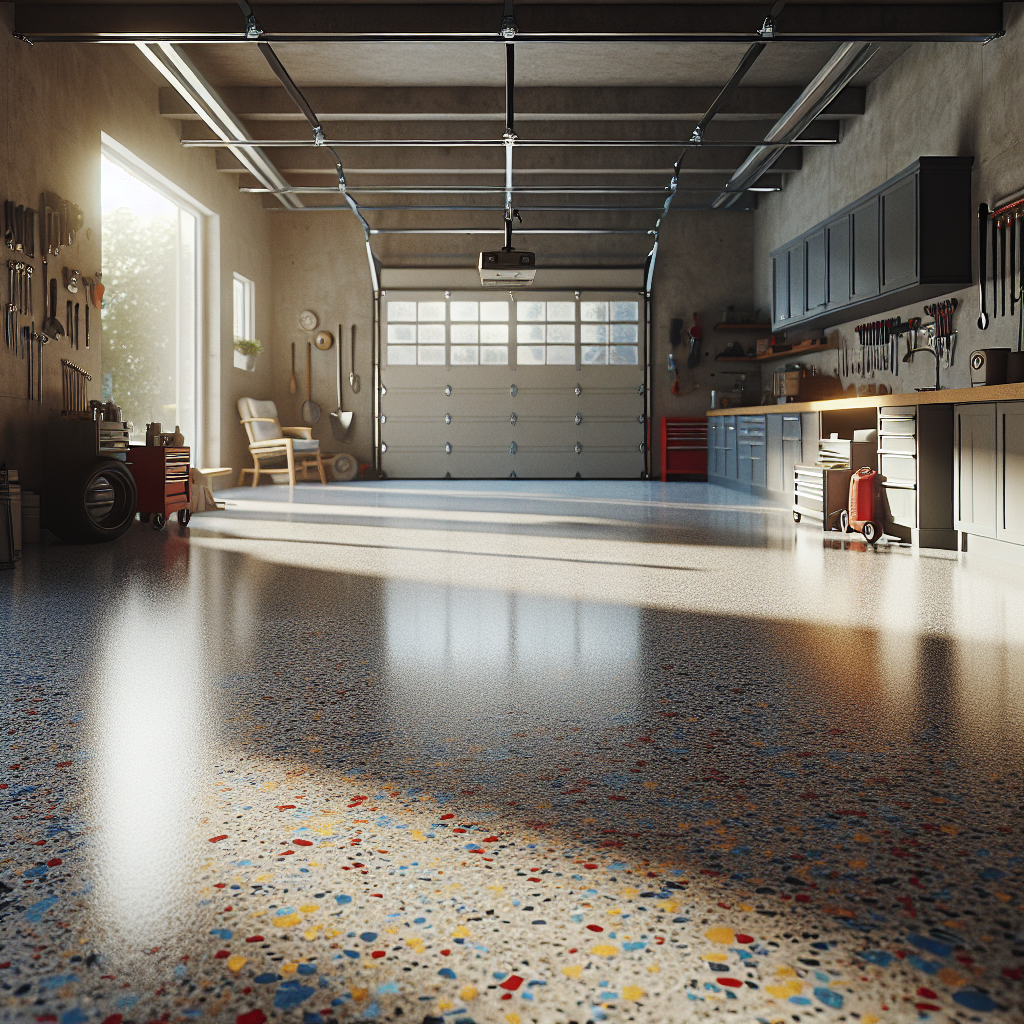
(482,413)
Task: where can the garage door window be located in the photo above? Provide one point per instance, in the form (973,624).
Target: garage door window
(609,333)
(546,333)
(479,332)
(416,333)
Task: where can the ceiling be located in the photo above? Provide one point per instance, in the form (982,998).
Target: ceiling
(598,89)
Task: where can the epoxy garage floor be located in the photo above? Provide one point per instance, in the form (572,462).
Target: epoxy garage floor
(508,753)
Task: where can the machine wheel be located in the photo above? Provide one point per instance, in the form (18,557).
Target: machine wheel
(184,515)
(96,503)
(870,531)
(844,521)
(796,517)
(158,521)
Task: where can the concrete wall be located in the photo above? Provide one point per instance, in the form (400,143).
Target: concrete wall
(54,104)
(704,264)
(320,264)
(960,99)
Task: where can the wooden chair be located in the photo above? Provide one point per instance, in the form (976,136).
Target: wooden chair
(274,447)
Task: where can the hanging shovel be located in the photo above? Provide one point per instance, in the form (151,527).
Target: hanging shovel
(353,378)
(340,421)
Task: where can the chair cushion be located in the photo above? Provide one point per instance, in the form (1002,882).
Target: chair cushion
(304,446)
(250,408)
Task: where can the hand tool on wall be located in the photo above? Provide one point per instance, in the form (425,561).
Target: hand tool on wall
(1013,261)
(9,223)
(340,421)
(995,271)
(310,410)
(30,226)
(982,268)
(353,377)
(67,320)
(293,384)
(77,305)
(52,327)
(1001,230)
(87,325)
(19,231)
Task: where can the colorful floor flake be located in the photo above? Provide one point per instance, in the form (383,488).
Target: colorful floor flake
(205,821)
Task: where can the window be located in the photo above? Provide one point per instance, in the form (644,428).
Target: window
(543,329)
(244,308)
(151,309)
(419,332)
(609,333)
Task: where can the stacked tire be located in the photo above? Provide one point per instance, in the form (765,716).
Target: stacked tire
(93,502)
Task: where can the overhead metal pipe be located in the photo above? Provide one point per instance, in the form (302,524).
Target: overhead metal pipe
(491,143)
(484,189)
(842,66)
(522,231)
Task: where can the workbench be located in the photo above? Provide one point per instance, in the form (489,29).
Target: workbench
(951,462)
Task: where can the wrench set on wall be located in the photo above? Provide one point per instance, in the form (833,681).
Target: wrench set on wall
(58,225)
(878,342)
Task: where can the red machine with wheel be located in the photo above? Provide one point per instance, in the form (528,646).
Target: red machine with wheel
(161,476)
(863,514)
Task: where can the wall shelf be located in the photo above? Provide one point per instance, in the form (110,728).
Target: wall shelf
(798,350)
(743,327)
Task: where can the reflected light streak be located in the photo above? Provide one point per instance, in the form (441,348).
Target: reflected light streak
(151,731)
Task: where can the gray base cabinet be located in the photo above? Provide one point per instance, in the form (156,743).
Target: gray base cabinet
(989,462)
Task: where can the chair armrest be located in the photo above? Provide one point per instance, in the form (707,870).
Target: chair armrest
(304,432)
(259,419)
(272,442)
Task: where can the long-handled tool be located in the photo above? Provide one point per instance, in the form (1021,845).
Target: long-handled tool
(340,421)
(51,325)
(310,410)
(293,384)
(982,269)
(353,377)
(995,269)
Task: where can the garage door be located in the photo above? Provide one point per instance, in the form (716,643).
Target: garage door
(540,384)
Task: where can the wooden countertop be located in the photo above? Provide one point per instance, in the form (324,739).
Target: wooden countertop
(953,396)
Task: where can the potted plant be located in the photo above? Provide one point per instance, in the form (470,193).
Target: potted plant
(246,351)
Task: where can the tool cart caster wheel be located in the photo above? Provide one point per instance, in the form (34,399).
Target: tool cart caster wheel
(796,517)
(158,521)
(844,521)
(184,515)
(143,517)
(870,531)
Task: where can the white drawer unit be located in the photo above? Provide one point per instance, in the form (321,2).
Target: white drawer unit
(897,468)
(819,493)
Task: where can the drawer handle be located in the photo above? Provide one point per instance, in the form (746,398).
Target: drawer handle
(898,455)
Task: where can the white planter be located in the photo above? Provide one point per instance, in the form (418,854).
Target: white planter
(243,362)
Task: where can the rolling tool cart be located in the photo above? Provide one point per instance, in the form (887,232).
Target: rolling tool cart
(684,446)
(161,476)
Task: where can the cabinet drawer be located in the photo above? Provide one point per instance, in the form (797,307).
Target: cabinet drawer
(905,444)
(901,505)
(906,425)
(898,468)
(791,428)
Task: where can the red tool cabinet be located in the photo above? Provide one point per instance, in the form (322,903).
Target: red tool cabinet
(161,477)
(684,446)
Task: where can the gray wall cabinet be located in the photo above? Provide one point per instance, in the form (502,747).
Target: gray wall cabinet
(906,241)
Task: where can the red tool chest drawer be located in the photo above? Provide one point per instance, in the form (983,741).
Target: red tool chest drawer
(684,446)
(161,477)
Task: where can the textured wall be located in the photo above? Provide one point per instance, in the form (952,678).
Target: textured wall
(705,265)
(961,99)
(55,102)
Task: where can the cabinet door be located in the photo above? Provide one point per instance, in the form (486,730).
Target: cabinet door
(744,462)
(797,280)
(758,465)
(899,235)
(810,433)
(780,287)
(730,468)
(814,255)
(975,469)
(790,457)
(1010,423)
(838,238)
(864,255)
(773,453)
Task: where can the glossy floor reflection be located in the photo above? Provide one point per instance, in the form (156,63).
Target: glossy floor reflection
(509,753)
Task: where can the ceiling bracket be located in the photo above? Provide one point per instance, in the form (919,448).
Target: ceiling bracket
(253,29)
(508,23)
(767,30)
(697,137)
